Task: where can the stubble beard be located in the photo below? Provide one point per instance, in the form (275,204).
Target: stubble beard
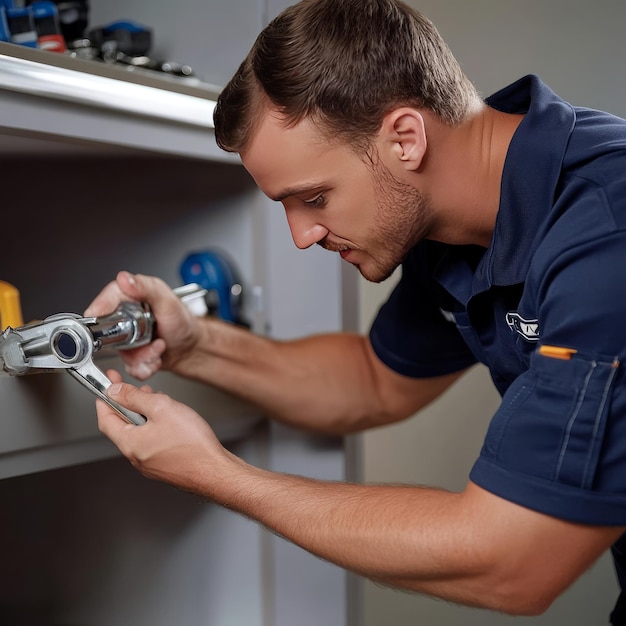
(403,218)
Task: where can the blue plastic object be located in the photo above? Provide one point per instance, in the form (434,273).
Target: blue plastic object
(127,25)
(22,26)
(4,28)
(128,37)
(211,270)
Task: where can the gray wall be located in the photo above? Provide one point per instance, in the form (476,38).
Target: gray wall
(578,48)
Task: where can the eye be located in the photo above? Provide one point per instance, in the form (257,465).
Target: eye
(317,202)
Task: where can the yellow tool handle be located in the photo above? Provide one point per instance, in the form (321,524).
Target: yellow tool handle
(10,307)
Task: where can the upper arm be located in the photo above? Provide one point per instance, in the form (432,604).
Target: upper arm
(401,396)
(495,554)
(529,558)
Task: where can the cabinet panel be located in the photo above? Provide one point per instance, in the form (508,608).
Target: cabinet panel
(71,224)
(100,545)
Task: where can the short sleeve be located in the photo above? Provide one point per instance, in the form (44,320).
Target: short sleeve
(411,333)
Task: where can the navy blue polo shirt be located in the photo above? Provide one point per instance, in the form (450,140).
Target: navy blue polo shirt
(544,308)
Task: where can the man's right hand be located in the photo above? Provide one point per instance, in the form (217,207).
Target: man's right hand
(177,330)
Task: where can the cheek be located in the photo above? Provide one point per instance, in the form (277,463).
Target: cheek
(363,206)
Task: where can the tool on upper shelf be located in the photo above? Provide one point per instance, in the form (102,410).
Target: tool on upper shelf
(125,43)
(67,341)
(35,25)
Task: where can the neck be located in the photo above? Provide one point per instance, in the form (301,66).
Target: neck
(464,173)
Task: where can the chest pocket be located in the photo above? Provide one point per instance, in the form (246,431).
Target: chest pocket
(553,419)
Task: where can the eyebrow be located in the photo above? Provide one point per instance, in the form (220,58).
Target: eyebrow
(298,190)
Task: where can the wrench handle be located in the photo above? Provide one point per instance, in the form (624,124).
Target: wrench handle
(94,379)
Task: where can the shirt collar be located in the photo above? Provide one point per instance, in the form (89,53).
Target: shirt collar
(531,172)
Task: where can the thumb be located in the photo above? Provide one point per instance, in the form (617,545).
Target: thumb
(123,288)
(110,422)
(150,289)
(133,285)
(131,397)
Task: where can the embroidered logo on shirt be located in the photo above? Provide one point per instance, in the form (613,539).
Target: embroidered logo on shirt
(528,329)
(448,316)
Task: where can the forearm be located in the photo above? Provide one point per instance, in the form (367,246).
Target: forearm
(407,537)
(475,550)
(321,383)
(330,383)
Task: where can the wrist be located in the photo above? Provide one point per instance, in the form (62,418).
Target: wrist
(182,358)
(225,479)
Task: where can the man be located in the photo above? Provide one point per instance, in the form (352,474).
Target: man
(508,218)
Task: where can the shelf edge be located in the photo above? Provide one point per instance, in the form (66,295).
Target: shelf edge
(94,91)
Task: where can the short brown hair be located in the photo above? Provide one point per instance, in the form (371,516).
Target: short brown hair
(344,64)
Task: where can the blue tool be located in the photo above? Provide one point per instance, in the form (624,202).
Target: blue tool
(124,36)
(211,270)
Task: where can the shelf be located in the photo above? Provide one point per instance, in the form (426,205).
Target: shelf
(87,105)
(49,420)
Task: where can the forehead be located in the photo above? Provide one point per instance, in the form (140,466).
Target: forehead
(282,157)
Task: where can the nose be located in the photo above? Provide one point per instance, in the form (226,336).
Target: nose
(305,230)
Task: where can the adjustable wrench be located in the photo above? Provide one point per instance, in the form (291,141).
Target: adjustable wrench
(67,341)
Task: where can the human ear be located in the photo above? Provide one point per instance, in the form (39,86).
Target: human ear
(405,133)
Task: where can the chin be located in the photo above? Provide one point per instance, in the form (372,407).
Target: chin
(375,275)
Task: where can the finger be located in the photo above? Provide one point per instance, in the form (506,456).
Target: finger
(133,285)
(144,288)
(136,399)
(106,301)
(126,286)
(145,361)
(110,423)
(114,376)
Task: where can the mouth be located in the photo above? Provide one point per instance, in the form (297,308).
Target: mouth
(345,253)
(332,246)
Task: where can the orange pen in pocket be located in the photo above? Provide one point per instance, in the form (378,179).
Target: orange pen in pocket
(557,352)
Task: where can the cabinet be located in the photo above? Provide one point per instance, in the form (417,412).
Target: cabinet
(95,181)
